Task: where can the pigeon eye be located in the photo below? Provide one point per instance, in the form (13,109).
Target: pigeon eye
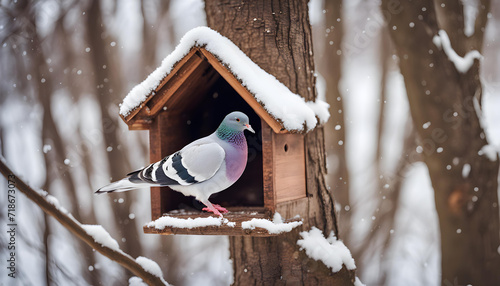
(237,120)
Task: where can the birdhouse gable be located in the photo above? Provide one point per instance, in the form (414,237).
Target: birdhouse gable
(202,56)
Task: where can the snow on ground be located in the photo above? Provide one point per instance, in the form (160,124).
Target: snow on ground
(264,87)
(332,252)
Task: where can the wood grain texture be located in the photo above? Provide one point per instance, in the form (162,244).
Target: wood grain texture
(293,208)
(268,167)
(142,124)
(289,167)
(177,83)
(155,155)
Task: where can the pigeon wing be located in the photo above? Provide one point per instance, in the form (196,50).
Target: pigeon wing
(194,163)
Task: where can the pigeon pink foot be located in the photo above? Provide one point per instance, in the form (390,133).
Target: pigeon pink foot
(221,209)
(214,210)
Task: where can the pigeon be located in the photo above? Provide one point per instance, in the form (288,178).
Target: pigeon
(206,166)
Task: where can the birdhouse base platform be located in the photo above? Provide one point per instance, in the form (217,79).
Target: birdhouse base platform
(237,222)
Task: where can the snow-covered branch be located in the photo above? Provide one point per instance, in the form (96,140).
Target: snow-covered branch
(94,235)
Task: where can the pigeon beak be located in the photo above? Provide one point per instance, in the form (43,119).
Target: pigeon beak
(249,128)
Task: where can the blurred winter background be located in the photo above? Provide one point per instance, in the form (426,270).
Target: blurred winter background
(63,74)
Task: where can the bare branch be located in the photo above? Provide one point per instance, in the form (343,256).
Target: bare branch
(76,228)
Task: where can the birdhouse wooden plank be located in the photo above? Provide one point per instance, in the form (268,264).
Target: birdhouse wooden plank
(186,98)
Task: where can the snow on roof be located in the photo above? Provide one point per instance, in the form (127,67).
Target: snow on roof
(462,64)
(291,109)
(276,226)
(332,252)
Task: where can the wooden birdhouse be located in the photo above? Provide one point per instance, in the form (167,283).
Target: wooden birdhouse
(186,98)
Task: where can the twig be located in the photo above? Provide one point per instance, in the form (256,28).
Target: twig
(75,227)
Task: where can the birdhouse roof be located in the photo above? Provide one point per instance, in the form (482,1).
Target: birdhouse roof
(282,109)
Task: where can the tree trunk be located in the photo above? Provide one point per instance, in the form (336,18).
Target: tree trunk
(329,65)
(466,202)
(53,160)
(106,87)
(277,36)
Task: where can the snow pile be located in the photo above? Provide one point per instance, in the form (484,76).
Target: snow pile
(190,223)
(358,282)
(332,252)
(276,226)
(271,93)
(151,267)
(136,281)
(229,223)
(101,236)
(54,201)
(462,64)
(489,151)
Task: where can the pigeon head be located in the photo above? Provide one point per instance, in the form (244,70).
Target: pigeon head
(235,122)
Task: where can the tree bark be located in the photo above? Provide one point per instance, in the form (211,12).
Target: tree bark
(277,36)
(467,204)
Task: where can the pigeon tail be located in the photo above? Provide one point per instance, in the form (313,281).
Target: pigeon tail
(122,185)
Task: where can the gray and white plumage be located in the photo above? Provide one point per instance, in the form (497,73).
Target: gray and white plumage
(206,166)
